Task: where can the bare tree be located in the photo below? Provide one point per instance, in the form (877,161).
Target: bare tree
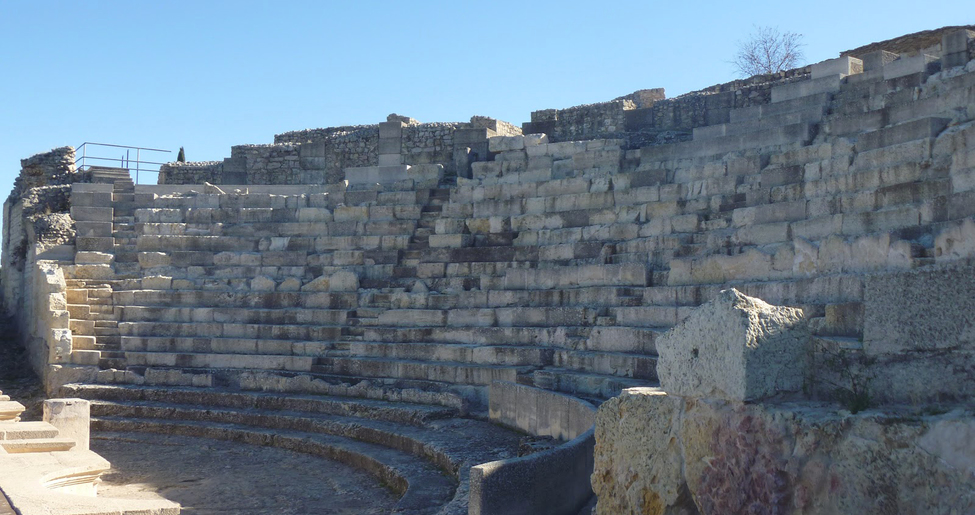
(768,50)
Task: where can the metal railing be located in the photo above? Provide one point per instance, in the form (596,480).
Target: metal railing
(124,161)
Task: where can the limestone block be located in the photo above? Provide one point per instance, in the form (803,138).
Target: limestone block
(735,348)
(908,66)
(875,61)
(450,240)
(534,140)
(93,258)
(344,281)
(484,169)
(954,48)
(96,229)
(320,283)
(506,143)
(471,317)
(351,213)
(794,90)
(290,284)
(638,463)
(155,215)
(427,175)
(153,259)
(262,283)
(72,419)
(98,244)
(926,310)
(450,226)
(157,282)
(711,457)
(92,272)
(92,214)
(841,65)
(413,317)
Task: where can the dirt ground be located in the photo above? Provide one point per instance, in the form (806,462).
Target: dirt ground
(210,477)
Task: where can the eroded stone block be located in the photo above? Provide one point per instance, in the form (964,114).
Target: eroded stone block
(735,348)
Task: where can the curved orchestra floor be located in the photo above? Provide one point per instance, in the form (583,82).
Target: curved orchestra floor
(211,477)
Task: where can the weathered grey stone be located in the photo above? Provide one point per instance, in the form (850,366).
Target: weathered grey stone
(735,348)
(343,281)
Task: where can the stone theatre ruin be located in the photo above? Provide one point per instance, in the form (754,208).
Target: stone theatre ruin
(754,298)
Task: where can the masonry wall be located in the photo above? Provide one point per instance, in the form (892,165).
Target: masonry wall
(320,156)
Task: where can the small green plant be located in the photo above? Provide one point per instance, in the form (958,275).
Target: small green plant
(846,374)
(181,157)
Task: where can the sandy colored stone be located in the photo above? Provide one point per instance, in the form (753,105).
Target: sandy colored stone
(626,477)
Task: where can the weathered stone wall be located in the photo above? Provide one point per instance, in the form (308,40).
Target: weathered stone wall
(429,143)
(320,156)
(647,117)
(658,453)
(729,430)
(191,173)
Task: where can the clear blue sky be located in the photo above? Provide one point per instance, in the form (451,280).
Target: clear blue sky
(207,75)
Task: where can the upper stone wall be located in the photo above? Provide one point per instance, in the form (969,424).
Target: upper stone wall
(320,156)
(647,117)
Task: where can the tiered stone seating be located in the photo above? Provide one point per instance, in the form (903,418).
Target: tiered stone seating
(556,264)
(407,446)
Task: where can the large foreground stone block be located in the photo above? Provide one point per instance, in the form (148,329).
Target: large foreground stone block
(658,454)
(735,348)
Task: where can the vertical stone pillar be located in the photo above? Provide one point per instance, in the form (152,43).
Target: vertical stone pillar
(954,48)
(470,146)
(72,418)
(391,142)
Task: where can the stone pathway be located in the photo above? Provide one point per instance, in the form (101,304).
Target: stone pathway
(217,477)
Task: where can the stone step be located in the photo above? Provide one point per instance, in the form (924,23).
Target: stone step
(199,360)
(583,384)
(10,411)
(779,108)
(812,114)
(194,298)
(232,346)
(915,130)
(779,138)
(236,315)
(561,336)
(37,445)
(806,88)
(230,330)
(503,317)
(516,355)
(27,430)
(442,440)
(636,366)
(443,372)
(424,489)
(409,413)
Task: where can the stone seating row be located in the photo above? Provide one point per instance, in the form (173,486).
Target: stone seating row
(421,451)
